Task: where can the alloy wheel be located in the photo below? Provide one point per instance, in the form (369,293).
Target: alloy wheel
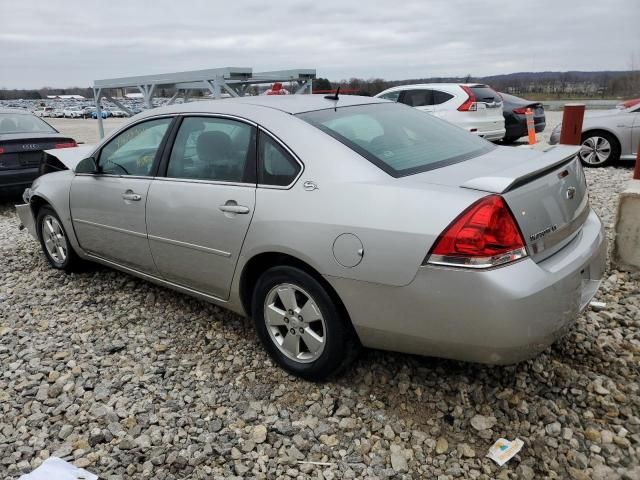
(595,150)
(54,239)
(294,322)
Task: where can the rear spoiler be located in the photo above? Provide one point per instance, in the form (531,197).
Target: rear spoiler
(514,177)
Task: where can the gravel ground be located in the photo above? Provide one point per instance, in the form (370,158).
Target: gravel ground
(130,380)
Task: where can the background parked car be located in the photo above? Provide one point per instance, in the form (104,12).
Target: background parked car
(515,121)
(607,136)
(72,113)
(23,137)
(43,111)
(628,103)
(117,113)
(475,107)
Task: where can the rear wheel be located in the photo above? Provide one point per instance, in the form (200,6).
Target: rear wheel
(54,241)
(599,149)
(300,325)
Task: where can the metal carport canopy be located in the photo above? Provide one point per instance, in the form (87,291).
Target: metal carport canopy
(234,80)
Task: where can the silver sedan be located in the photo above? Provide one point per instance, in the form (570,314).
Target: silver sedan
(334,224)
(607,136)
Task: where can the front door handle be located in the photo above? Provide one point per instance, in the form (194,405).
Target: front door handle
(129,195)
(234,209)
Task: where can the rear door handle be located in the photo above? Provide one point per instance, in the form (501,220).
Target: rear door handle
(234,209)
(131,196)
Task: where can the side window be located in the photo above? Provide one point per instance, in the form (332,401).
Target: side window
(275,165)
(210,148)
(133,151)
(441,97)
(393,96)
(418,98)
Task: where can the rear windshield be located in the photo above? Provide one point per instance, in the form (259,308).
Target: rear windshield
(485,94)
(23,123)
(399,139)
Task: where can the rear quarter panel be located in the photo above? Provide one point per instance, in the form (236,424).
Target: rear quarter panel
(395,219)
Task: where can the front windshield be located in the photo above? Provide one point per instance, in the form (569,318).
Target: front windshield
(23,123)
(399,139)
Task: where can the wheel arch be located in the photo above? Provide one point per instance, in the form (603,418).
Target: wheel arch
(260,263)
(592,130)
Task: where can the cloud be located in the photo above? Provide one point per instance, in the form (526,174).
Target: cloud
(68,43)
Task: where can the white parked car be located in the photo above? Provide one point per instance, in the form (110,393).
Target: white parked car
(474,107)
(72,113)
(118,113)
(43,112)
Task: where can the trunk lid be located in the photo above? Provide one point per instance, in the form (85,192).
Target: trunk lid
(19,151)
(546,191)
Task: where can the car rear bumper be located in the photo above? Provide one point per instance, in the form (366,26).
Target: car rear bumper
(498,316)
(491,135)
(519,129)
(21,177)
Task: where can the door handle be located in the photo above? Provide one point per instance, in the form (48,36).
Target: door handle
(132,196)
(234,208)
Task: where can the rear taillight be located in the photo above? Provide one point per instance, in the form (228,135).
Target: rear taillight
(520,111)
(66,145)
(470,104)
(485,235)
(1,150)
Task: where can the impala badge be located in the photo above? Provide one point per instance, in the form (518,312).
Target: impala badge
(571,192)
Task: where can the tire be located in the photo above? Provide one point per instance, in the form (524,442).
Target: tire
(55,242)
(599,149)
(312,349)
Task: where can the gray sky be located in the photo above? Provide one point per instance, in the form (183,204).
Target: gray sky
(70,43)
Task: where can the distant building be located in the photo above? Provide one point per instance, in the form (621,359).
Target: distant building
(133,95)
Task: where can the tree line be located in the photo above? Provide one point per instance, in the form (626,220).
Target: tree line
(586,84)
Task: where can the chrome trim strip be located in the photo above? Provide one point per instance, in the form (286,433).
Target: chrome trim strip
(290,152)
(193,246)
(478,263)
(206,182)
(109,227)
(158,280)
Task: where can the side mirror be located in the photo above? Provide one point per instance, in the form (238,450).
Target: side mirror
(88,165)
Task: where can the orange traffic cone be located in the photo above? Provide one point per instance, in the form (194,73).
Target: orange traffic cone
(531,130)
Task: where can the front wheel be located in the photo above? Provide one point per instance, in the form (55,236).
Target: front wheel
(300,325)
(54,241)
(599,149)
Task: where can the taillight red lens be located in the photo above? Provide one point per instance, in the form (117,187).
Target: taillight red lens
(521,111)
(66,145)
(1,150)
(470,104)
(484,235)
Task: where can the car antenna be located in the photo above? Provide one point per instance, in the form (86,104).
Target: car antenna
(334,96)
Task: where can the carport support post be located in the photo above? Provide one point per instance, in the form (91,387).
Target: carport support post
(97,93)
(571,133)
